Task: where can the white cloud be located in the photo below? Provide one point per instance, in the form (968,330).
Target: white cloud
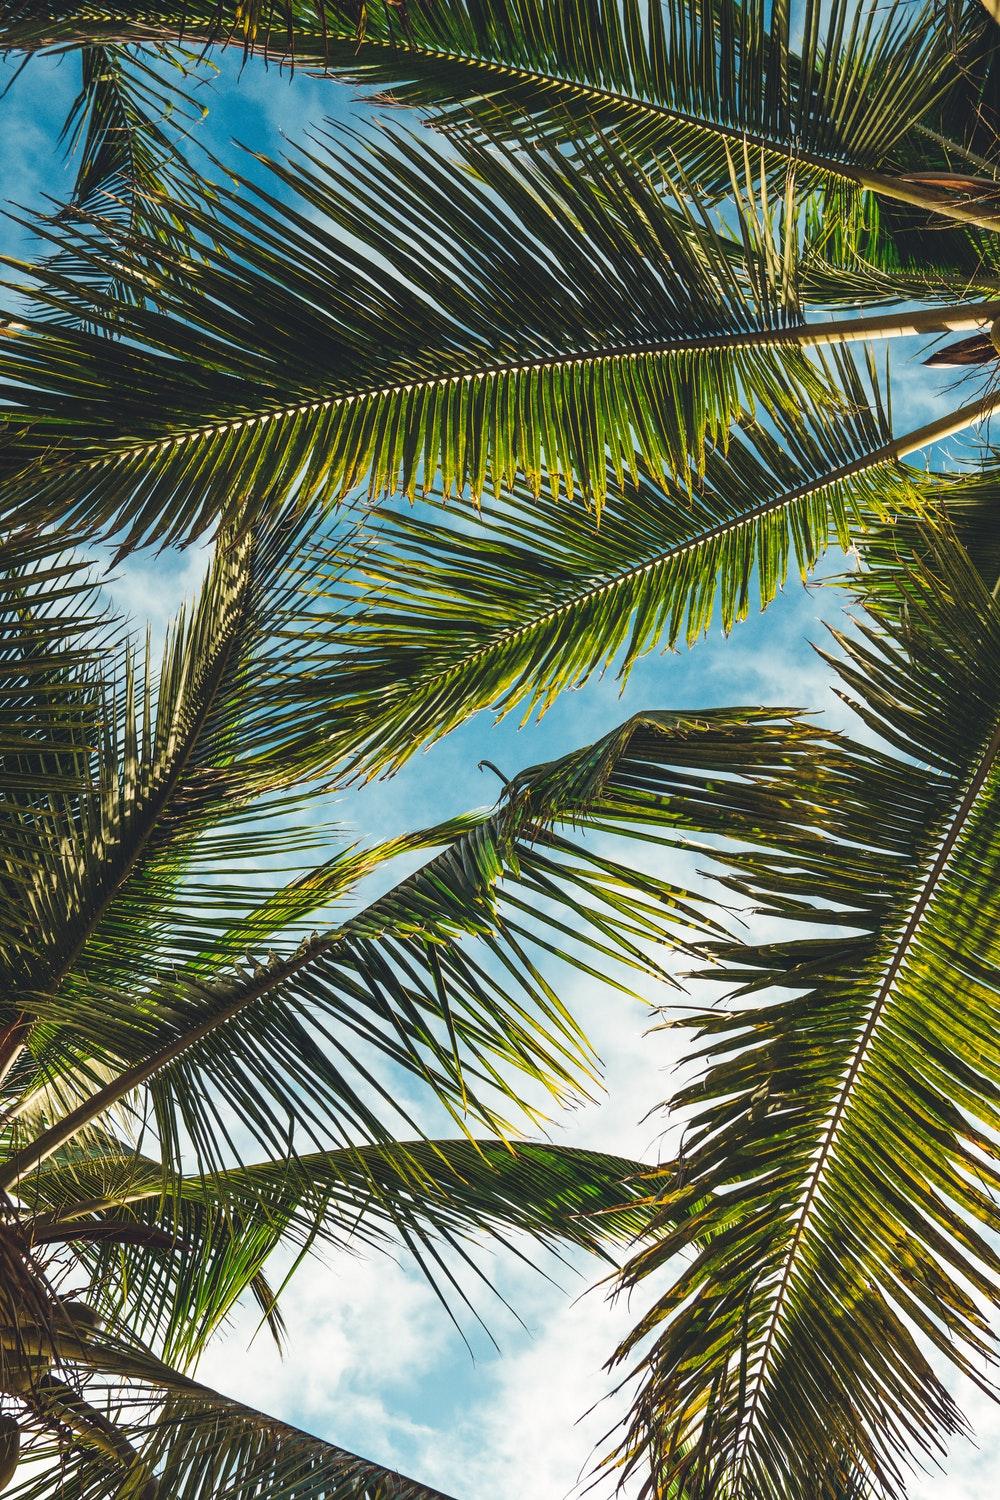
(150,587)
(375,1366)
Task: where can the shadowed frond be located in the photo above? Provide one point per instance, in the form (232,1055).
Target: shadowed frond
(53,636)
(830,86)
(127,162)
(125,131)
(839,1155)
(94,896)
(970,499)
(509,609)
(277,28)
(171,1259)
(144,1430)
(860,252)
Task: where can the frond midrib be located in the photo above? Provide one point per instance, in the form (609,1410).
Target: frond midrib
(950,836)
(607,354)
(600,584)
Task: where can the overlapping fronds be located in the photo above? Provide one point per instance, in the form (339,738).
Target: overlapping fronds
(93,874)
(170,1260)
(126,131)
(969,499)
(534,596)
(268,27)
(859,251)
(839,1159)
(403,321)
(137,1427)
(845,83)
(832,85)
(864,248)
(439,976)
(126,161)
(52,641)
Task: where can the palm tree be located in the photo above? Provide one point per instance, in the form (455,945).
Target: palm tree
(616,297)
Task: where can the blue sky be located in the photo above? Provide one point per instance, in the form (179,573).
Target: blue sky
(373,1364)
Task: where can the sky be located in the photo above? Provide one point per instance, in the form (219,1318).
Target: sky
(372,1362)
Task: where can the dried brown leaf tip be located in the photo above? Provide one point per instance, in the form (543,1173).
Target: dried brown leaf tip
(978,349)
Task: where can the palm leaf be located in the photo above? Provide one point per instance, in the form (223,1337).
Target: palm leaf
(53,634)
(439,976)
(833,89)
(99,868)
(172,1436)
(170,1259)
(126,128)
(860,252)
(854,1069)
(533,597)
(581,317)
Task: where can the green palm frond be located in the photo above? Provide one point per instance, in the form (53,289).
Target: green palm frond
(968,499)
(831,88)
(126,130)
(169,758)
(845,83)
(839,1143)
(138,1428)
(54,643)
(171,1259)
(53,636)
(272,28)
(860,252)
(510,609)
(126,160)
(863,248)
(521,319)
(439,977)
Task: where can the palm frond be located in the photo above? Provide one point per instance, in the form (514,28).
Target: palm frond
(860,252)
(280,28)
(840,1136)
(170,1259)
(127,129)
(846,85)
(440,977)
(508,610)
(168,760)
(968,499)
(140,1428)
(405,322)
(53,637)
(832,89)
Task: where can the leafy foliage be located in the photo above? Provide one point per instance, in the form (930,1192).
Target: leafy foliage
(532,597)
(853,1067)
(689,78)
(528,350)
(599,279)
(132,1016)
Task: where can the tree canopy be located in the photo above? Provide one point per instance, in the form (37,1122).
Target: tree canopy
(576,348)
